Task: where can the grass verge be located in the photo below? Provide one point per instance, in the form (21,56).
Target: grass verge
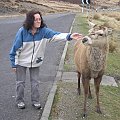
(70,104)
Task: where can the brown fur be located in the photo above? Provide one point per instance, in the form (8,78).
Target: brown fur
(90,63)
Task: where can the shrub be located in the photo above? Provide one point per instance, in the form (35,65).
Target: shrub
(112,46)
(96,16)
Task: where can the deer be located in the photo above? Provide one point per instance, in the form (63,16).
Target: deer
(90,55)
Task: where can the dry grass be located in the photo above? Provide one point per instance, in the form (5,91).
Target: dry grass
(108,19)
(59,6)
(97,16)
(115,15)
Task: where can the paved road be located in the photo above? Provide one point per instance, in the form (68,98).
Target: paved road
(8,28)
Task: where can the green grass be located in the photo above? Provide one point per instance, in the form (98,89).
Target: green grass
(80,25)
(113,64)
(70,103)
(54,110)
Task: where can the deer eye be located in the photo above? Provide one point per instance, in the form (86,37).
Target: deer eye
(100,34)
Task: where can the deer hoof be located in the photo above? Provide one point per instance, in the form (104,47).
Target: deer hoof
(84,115)
(90,96)
(98,111)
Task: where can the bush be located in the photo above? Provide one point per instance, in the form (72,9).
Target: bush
(96,16)
(112,23)
(112,46)
(117,18)
(112,42)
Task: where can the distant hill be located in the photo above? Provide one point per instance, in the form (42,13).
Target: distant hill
(50,6)
(71,1)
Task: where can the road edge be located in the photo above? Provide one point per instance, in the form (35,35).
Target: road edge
(50,98)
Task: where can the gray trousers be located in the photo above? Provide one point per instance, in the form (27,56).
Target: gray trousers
(20,83)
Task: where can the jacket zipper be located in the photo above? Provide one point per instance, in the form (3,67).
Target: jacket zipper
(33,51)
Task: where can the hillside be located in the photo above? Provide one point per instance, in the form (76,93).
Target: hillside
(47,6)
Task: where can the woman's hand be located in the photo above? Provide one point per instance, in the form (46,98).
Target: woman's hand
(76,36)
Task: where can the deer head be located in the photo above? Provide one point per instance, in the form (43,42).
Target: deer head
(96,33)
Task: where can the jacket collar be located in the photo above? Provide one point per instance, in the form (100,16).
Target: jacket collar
(30,31)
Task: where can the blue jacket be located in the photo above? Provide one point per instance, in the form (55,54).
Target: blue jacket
(28,50)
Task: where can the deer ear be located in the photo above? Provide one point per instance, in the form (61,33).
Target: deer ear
(110,31)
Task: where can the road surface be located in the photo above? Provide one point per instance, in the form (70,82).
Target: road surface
(8,28)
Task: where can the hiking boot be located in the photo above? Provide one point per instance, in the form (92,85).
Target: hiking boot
(21,105)
(36,105)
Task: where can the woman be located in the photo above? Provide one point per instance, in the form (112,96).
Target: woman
(28,52)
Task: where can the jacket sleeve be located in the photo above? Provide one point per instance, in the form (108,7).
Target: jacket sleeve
(15,50)
(53,35)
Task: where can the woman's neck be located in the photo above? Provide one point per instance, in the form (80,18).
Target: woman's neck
(34,30)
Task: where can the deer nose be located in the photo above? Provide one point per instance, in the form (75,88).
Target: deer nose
(84,40)
(87,40)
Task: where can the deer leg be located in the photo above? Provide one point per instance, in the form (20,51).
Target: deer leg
(97,87)
(89,95)
(79,90)
(86,88)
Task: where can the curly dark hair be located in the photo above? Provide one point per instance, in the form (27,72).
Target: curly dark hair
(29,21)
